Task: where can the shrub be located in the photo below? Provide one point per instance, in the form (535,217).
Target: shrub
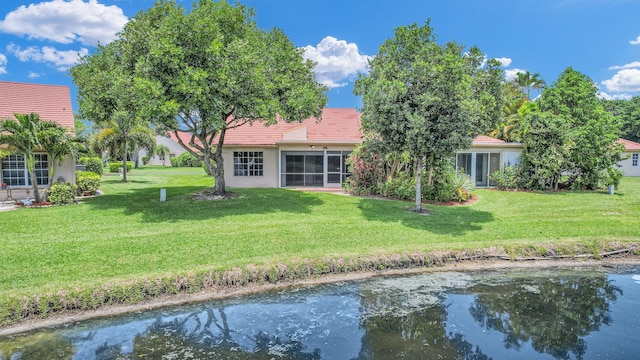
(145,160)
(115,167)
(611,176)
(368,173)
(87,182)
(462,186)
(507,178)
(185,160)
(402,187)
(92,164)
(62,193)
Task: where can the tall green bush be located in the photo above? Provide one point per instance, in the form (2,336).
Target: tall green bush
(93,164)
(88,182)
(185,160)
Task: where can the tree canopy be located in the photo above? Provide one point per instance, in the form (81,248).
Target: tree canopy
(593,131)
(207,70)
(428,99)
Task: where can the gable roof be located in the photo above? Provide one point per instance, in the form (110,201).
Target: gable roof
(629,145)
(51,102)
(483,139)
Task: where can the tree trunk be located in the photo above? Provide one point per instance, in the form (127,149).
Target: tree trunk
(430,178)
(31,167)
(124,162)
(418,171)
(218,170)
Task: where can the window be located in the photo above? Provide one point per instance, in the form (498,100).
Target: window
(14,170)
(634,160)
(248,163)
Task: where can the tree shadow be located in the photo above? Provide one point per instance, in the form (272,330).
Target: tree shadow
(180,205)
(445,220)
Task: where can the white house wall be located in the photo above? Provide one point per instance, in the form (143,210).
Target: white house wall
(270,168)
(174,150)
(627,164)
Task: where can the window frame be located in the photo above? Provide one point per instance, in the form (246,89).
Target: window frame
(634,160)
(14,172)
(248,163)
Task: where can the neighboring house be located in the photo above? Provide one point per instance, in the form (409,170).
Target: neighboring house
(631,164)
(487,155)
(52,103)
(174,150)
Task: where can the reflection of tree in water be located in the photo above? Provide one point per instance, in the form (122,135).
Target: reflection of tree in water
(554,314)
(45,345)
(417,334)
(191,337)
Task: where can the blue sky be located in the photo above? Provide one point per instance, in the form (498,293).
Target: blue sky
(40,40)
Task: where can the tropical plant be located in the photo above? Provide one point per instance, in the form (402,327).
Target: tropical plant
(116,137)
(163,151)
(526,81)
(29,133)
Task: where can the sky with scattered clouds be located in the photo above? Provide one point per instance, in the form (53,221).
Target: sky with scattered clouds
(41,40)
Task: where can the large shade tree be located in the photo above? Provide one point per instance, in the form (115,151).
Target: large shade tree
(28,134)
(205,71)
(428,99)
(593,130)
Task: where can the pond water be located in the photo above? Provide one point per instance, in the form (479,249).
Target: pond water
(578,313)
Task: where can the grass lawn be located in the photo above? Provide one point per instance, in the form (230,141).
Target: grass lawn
(128,233)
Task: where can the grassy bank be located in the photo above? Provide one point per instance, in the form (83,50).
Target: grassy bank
(126,245)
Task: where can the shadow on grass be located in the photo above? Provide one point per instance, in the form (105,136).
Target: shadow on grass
(179,204)
(445,220)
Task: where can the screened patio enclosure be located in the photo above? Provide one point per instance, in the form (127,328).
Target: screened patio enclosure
(479,165)
(313,168)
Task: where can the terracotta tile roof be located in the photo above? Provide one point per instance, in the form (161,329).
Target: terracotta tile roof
(629,145)
(51,102)
(482,139)
(336,125)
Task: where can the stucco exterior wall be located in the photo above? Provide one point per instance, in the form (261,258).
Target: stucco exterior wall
(174,150)
(270,168)
(627,164)
(63,172)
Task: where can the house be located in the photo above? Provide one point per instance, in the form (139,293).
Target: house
(485,156)
(51,102)
(309,153)
(170,142)
(630,163)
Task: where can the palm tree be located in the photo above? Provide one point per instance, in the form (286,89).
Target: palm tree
(162,150)
(28,134)
(118,135)
(525,81)
(59,146)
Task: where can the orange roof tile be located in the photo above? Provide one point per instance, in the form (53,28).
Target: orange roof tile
(336,125)
(51,102)
(483,139)
(629,145)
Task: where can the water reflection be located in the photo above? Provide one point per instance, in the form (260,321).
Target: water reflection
(559,314)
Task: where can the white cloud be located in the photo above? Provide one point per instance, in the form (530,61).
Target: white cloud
(510,74)
(504,61)
(606,96)
(625,80)
(631,65)
(635,42)
(66,21)
(336,60)
(61,59)
(3,64)
(33,75)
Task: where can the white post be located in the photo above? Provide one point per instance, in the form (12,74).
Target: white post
(163,194)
